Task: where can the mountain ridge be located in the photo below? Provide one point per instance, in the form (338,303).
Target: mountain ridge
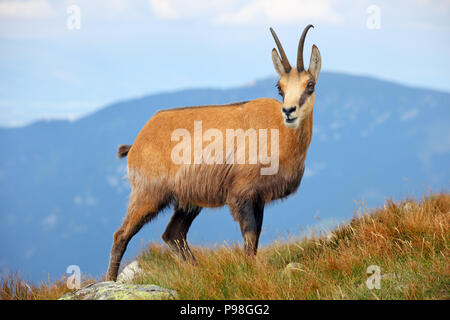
(62,194)
(201,88)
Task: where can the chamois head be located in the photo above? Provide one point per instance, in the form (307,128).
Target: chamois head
(296,86)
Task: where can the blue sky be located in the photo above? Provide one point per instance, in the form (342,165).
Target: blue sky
(125,49)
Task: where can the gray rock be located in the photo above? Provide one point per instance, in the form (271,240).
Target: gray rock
(110,290)
(129,272)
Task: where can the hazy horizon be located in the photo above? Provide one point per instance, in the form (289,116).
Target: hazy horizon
(245,84)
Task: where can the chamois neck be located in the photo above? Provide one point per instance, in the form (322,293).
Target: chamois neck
(305,131)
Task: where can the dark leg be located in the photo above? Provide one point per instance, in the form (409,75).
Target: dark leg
(249,215)
(140,211)
(259,213)
(177,229)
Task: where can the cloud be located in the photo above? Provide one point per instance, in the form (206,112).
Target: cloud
(164,9)
(336,136)
(88,200)
(314,169)
(437,6)
(283,12)
(179,9)
(373,195)
(112,181)
(29,253)
(49,221)
(377,121)
(247,12)
(409,115)
(380,119)
(26,9)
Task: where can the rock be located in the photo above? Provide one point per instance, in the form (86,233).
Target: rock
(110,290)
(129,272)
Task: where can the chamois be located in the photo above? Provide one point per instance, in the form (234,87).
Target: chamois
(207,180)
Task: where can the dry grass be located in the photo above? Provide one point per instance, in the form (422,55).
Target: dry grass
(409,242)
(13,287)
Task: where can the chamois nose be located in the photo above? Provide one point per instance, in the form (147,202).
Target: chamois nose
(288,111)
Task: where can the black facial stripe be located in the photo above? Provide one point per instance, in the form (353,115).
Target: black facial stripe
(306,94)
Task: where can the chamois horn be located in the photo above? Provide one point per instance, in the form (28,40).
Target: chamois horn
(284,59)
(300,65)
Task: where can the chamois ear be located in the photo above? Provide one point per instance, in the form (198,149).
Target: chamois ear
(315,62)
(277,63)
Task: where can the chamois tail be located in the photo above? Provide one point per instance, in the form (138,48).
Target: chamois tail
(123,150)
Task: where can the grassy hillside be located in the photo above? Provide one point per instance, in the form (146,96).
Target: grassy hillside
(408,241)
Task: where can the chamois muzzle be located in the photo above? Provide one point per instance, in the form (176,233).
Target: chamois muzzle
(288,111)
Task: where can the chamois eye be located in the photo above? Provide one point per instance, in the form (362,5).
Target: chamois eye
(280,92)
(310,87)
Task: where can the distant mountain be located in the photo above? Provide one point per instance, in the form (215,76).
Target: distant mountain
(62,194)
